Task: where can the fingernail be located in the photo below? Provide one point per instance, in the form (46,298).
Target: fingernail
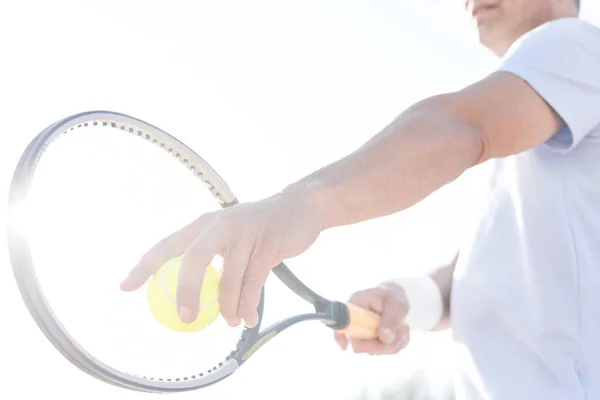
(387,336)
(186,315)
(251,321)
(125,282)
(404,336)
(338,340)
(233,322)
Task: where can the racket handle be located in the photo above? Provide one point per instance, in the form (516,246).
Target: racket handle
(363,324)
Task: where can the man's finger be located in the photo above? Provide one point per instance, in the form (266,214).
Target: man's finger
(150,262)
(341,340)
(365,346)
(399,343)
(255,276)
(191,275)
(171,246)
(370,299)
(376,347)
(235,262)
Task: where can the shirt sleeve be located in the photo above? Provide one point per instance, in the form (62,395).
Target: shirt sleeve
(560,60)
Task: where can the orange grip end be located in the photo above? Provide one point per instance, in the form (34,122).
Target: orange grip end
(363,324)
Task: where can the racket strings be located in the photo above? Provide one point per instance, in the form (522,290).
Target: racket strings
(100,192)
(136,131)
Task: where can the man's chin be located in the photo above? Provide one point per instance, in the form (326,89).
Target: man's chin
(492,44)
(485,38)
(486,32)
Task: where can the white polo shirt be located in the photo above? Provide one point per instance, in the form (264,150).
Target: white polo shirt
(526,292)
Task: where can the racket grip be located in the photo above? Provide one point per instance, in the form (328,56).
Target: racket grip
(363,324)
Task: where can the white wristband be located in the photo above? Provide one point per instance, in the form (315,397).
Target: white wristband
(425,302)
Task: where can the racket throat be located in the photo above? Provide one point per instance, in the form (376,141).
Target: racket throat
(336,314)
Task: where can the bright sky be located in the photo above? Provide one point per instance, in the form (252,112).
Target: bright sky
(267,91)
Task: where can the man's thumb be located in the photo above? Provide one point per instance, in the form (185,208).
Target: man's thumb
(392,318)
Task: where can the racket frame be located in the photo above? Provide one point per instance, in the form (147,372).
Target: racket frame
(333,314)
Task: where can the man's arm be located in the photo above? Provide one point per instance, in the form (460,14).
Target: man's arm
(443,279)
(549,81)
(428,146)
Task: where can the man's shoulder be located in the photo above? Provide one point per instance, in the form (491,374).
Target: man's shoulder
(570,23)
(570,27)
(559,35)
(560,60)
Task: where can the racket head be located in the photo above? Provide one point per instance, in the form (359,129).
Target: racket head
(25,265)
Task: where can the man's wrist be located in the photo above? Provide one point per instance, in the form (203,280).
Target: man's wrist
(316,197)
(425,302)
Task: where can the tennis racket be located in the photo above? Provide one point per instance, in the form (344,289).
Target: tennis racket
(89,195)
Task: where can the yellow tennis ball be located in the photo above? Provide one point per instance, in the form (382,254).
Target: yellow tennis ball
(161,293)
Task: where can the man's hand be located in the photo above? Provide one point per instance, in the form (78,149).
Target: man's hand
(389,301)
(252,238)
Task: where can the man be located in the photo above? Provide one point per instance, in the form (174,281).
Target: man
(524,293)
